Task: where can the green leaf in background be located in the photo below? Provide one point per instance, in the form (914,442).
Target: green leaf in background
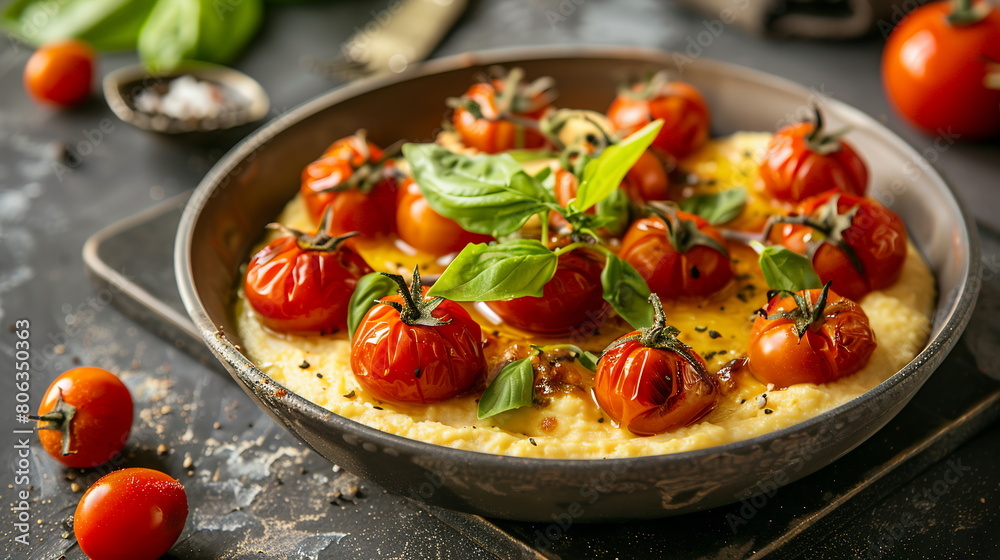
(785,269)
(490,272)
(488,194)
(512,388)
(604,173)
(717,208)
(371,287)
(209,30)
(627,292)
(616,207)
(107,25)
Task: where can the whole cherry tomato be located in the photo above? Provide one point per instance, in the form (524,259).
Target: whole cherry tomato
(650,382)
(856,243)
(685,114)
(649,178)
(811,336)
(423,228)
(679,255)
(935,66)
(502,114)
(572,301)
(131,513)
(303,283)
(801,160)
(355,180)
(85,417)
(60,73)
(415,349)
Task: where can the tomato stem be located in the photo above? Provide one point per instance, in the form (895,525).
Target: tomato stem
(59,418)
(416,309)
(805,314)
(661,336)
(830,224)
(684,235)
(820,141)
(964,12)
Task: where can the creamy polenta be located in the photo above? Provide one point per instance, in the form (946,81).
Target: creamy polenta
(565,421)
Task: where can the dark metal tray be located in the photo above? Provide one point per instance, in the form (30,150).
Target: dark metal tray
(135,256)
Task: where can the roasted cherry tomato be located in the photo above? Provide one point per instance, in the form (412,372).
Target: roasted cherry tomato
(649,178)
(935,67)
(802,161)
(856,243)
(356,180)
(60,73)
(811,336)
(650,382)
(423,228)
(85,417)
(132,513)
(414,349)
(678,254)
(303,283)
(685,114)
(502,114)
(572,301)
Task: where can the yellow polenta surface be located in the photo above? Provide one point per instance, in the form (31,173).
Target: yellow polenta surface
(569,424)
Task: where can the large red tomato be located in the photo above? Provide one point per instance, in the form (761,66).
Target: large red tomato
(508,112)
(855,243)
(684,111)
(303,283)
(356,183)
(812,336)
(572,301)
(423,228)
(650,382)
(678,256)
(802,161)
(935,67)
(414,349)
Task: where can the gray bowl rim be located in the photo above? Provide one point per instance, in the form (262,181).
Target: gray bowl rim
(931,356)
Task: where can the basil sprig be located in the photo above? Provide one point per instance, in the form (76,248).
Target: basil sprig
(512,388)
(785,269)
(627,292)
(717,208)
(604,174)
(489,272)
(370,288)
(487,194)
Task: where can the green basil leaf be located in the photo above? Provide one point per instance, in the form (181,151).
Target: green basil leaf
(717,208)
(371,287)
(106,25)
(615,207)
(587,359)
(604,173)
(489,272)
(531,155)
(512,388)
(786,270)
(627,292)
(209,30)
(487,194)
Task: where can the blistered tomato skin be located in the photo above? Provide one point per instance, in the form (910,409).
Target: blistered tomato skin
(96,429)
(416,363)
(934,72)
(793,169)
(130,514)
(421,227)
(297,289)
(696,271)
(572,302)
(685,115)
(650,383)
(492,133)
(875,235)
(331,182)
(836,345)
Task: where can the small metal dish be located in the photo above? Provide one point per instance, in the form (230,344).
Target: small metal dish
(123,86)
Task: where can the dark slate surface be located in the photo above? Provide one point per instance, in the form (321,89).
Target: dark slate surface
(926,486)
